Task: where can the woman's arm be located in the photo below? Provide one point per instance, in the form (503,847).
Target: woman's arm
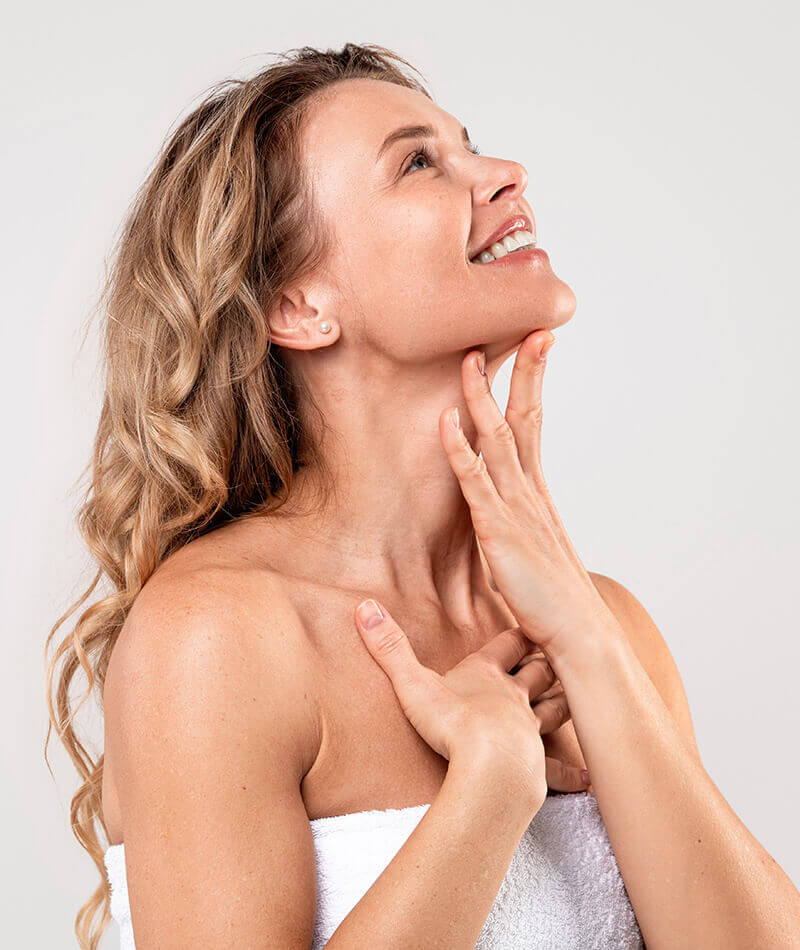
(212,734)
(695,875)
(439,888)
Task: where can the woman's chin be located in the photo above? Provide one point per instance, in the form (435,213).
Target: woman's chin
(548,305)
(559,310)
(567,304)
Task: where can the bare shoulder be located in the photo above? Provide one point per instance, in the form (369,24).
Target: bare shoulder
(651,650)
(216,631)
(210,722)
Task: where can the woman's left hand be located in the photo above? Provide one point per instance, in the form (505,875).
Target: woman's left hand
(532,560)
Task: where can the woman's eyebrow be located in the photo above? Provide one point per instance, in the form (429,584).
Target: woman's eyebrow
(413,132)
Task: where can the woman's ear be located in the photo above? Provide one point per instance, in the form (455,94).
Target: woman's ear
(295,324)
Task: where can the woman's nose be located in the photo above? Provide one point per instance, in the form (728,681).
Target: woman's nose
(504,179)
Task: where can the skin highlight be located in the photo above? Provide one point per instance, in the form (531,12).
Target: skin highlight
(199,444)
(405,305)
(399,529)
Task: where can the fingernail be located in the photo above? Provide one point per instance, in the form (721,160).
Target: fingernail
(584,776)
(369,613)
(454,421)
(482,362)
(546,347)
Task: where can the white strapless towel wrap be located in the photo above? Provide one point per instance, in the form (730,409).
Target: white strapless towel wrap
(562,890)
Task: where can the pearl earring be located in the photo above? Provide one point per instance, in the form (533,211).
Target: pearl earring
(325,327)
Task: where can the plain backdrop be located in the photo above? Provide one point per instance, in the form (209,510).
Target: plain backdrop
(661,143)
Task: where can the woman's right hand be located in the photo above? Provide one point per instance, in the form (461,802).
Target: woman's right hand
(488,700)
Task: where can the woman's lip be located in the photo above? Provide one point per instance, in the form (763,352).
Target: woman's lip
(520,222)
(528,254)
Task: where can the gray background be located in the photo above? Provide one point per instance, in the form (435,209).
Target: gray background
(662,149)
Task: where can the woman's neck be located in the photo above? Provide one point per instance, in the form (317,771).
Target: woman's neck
(391,537)
(396,524)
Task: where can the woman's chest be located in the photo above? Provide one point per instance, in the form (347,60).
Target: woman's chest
(370,756)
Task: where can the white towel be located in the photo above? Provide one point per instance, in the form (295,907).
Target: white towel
(562,890)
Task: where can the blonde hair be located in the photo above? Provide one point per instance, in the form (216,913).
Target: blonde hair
(201,419)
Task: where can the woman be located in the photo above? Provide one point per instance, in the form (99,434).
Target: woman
(301,294)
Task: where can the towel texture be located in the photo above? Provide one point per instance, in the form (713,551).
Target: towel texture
(563,888)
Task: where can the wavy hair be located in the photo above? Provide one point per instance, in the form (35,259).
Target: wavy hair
(201,421)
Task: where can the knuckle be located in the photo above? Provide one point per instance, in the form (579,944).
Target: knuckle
(522,689)
(477,467)
(534,414)
(484,520)
(390,640)
(483,662)
(551,710)
(519,638)
(530,415)
(503,432)
(545,674)
(563,711)
(554,692)
(561,706)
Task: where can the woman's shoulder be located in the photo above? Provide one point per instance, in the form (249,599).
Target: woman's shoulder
(221,576)
(208,613)
(210,589)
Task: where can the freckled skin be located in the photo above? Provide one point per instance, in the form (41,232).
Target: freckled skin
(401,262)
(405,306)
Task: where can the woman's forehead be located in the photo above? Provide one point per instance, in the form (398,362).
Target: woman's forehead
(353,117)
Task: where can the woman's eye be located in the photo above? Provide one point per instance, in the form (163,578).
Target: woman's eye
(423,153)
(420,153)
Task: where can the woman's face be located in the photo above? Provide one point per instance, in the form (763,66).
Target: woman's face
(399,278)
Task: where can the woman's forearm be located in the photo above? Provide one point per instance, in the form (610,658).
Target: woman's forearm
(695,875)
(439,888)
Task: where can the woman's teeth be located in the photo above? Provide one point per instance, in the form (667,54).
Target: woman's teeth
(510,243)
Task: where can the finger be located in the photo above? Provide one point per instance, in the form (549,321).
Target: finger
(497,444)
(507,648)
(554,690)
(564,778)
(535,676)
(552,713)
(535,653)
(556,686)
(524,407)
(524,414)
(470,469)
(391,649)
(536,649)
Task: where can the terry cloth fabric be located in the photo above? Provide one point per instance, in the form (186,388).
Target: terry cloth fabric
(562,890)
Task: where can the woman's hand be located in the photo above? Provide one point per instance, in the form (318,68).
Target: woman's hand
(488,701)
(532,560)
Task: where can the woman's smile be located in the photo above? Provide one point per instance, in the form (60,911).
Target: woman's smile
(536,256)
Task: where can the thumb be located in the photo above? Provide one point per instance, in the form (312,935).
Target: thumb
(389,647)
